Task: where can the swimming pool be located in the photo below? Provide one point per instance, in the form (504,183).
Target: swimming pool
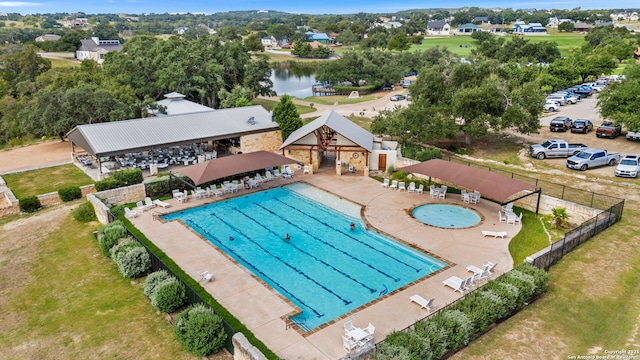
(446,216)
(326,269)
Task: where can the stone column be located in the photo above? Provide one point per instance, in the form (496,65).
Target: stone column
(201,159)
(153,169)
(338,167)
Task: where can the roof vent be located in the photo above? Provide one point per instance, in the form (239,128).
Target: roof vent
(252,120)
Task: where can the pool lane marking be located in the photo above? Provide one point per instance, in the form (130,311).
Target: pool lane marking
(328,244)
(348,235)
(222,245)
(346,302)
(303,251)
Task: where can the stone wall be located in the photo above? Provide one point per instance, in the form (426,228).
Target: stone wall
(99,208)
(8,202)
(354,158)
(303,157)
(577,213)
(243,350)
(267,141)
(123,195)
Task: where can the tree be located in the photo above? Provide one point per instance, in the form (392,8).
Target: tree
(566,26)
(620,101)
(253,43)
(399,41)
(560,217)
(287,117)
(23,65)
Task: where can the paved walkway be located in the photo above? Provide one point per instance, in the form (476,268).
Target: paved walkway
(262,309)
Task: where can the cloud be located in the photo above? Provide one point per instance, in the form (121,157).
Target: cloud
(20,4)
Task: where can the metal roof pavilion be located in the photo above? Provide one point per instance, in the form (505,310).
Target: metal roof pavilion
(120,137)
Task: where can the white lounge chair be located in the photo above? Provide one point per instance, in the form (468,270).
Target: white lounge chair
(508,207)
(277,173)
(259,178)
(205,276)
(443,192)
(420,189)
(149,203)
(491,267)
(394,185)
(412,187)
(480,274)
(501,217)
(434,192)
(269,176)
(458,284)
(214,190)
(401,186)
(141,206)
(424,303)
(495,234)
(128,213)
(161,203)
(513,219)
(385,183)
(306,170)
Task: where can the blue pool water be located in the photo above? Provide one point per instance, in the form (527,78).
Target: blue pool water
(325,268)
(446,216)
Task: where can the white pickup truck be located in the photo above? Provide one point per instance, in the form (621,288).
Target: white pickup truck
(591,158)
(555,148)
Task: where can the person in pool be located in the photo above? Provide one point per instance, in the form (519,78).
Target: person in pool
(287,237)
(353,226)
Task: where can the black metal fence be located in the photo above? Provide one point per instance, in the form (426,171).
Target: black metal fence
(192,296)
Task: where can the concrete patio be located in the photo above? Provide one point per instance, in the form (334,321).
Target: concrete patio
(263,310)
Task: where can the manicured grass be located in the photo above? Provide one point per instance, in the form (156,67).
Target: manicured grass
(530,239)
(591,306)
(342,99)
(42,181)
(64,299)
(270,104)
(60,63)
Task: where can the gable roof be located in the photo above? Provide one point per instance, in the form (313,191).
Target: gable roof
(436,24)
(176,104)
(119,137)
(317,36)
(337,123)
(469,26)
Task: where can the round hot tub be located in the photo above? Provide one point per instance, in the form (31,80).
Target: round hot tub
(446,216)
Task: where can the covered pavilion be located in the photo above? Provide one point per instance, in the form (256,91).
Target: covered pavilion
(490,184)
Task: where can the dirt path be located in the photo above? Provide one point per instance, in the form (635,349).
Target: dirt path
(46,154)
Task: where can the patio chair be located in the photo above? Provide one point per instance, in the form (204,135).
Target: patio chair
(434,192)
(213,189)
(508,207)
(161,203)
(457,284)
(462,194)
(466,198)
(420,189)
(349,344)
(412,187)
(385,183)
(443,192)
(401,186)
(501,217)
(424,303)
(348,327)
(394,185)
(370,329)
(148,203)
(495,234)
(482,274)
(306,170)
(141,206)
(491,267)
(205,276)
(269,176)
(259,178)
(128,213)
(277,173)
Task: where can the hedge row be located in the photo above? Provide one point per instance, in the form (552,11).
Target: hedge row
(219,309)
(454,327)
(119,179)
(131,258)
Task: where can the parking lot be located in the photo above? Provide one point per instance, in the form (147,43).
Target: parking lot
(585,109)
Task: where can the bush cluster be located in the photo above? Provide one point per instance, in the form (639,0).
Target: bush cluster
(84,213)
(133,260)
(160,186)
(454,327)
(29,204)
(109,235)
(200,330)
(119,179)
(70,193)
(165,291)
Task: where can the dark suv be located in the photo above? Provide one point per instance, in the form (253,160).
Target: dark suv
(560,123)
(581,126)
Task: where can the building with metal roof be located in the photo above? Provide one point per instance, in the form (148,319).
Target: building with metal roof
(332,137)
(249,128)
(175,104)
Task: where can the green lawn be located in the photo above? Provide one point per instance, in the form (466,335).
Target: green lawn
(63,299)
(270,104)
(42,181)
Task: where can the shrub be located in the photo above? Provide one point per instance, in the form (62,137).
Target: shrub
(200,330)
(160,186)
(502,309)
(506,292)
(481,310)
(109,235)
(458,327)
(399,175)
(428,154)
(386,351)
(122,245)
(418,347)
(117,210)
(29,204)
(70,193)
(437,337)
(106,184)
(540,277)
(153,281)
(134,262)
(523,282)
(84,213)
(169,295)
(128,177)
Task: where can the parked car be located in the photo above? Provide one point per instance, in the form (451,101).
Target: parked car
(560,123)
(582,90)
(406,83)
(409,97)
(590,158)
(555,148)
(551,106)
(581,126)
(569,97)
(557,98)
(629,166)
(388,87)
(609,129)
(397,97)
(633,135)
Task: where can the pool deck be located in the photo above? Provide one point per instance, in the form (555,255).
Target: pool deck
(261,309)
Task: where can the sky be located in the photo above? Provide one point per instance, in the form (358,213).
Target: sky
(305,7)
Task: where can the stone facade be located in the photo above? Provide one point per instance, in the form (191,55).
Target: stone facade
(267,141)
(303,157)
(355,158)
(99,208)
(123,195)
(8,202)
(243,350)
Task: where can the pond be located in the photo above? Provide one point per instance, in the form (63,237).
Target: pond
(292,82)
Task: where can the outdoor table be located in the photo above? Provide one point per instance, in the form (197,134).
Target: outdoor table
(358,334)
